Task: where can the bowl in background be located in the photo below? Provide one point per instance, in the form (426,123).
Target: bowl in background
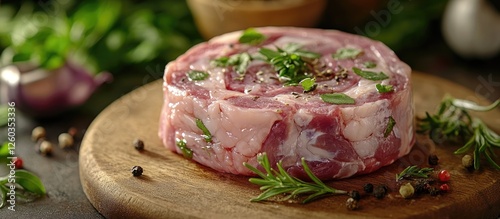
(215,17)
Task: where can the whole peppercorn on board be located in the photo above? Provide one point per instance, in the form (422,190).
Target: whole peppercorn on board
(174,187)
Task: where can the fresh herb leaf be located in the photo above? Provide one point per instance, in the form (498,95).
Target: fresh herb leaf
(279,182)
(28,186)
(384,88)
(370,64)
(295,48)
(269,53)
(186,152)
(4,152)
(337,98)
(308,54)
(3,193)
(390,126)
(30,182)
(239,61)
(244,60)
(291,66)
(452,122)
(206,133)
(252,37)
(373,76)
(4,112)
(347,53)
(221,61)
(195,75)
(308,84)
(414,171)
(292,47)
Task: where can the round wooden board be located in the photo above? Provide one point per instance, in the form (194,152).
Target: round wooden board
(174,187)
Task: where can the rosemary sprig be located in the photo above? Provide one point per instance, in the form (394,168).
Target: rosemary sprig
(453,122)
(414,171)
(483,139)
(449,122)
(274,183)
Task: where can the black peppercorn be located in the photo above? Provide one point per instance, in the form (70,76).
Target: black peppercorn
(138,144)
(354,194)
(384,186)
(380,191)
(368,188)
(421,186)
(137,171)
(433,160)
(434,191)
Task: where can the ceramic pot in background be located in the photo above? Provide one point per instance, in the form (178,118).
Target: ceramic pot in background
(215,17)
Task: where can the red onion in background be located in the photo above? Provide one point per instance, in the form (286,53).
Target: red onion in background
(41,93)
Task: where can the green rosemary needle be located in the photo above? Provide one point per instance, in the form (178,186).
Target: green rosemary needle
(453,122)
(206,133)
(275,183)
(182,145)
(483,139)
(414,171)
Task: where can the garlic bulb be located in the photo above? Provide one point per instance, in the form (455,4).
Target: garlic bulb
(472,28)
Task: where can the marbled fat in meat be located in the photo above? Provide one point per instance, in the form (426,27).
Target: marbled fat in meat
(258,114)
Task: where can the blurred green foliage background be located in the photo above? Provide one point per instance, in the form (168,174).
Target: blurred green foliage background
(101,35)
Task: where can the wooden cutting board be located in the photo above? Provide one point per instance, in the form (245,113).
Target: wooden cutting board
(174,187)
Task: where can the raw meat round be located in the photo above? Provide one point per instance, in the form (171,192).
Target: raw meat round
(256,113)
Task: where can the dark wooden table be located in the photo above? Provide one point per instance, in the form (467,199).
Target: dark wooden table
(60,175)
